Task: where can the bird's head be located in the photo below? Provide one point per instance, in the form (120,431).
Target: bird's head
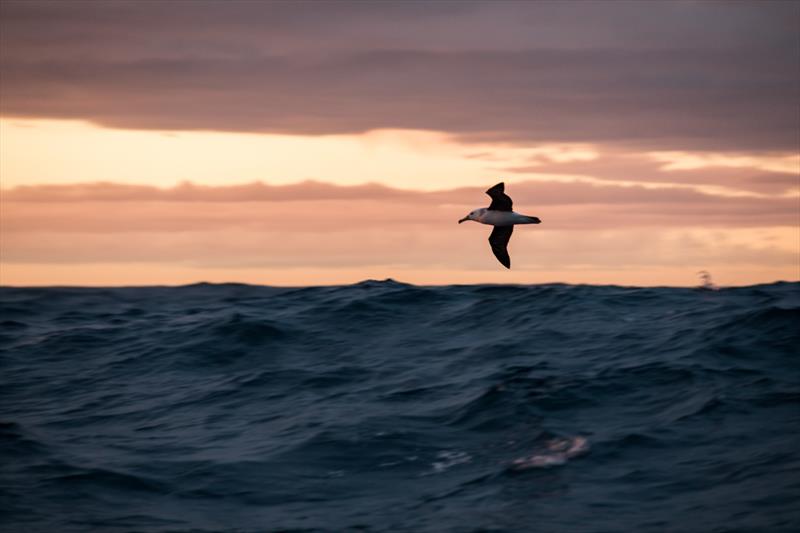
(474,215)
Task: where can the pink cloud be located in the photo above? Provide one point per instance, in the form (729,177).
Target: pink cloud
(530,193)
(314,207)
(585,228)
(638,167)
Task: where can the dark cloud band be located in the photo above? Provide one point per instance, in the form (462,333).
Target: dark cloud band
(684,76)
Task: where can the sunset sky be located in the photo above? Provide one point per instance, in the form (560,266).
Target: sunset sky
(297,143)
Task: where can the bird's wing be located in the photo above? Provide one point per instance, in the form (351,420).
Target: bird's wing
(499,241)
(500,201)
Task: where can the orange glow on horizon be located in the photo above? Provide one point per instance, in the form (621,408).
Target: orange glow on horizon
(617,230)
(137,274)
(69,151)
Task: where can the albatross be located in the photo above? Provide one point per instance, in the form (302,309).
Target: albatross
(500,215)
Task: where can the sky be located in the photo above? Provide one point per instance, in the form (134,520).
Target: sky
(305,143)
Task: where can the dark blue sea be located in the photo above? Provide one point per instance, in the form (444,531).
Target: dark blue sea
(387,407)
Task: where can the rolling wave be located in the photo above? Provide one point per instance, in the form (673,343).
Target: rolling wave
(383,406)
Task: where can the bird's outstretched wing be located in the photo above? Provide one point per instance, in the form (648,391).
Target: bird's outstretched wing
(499,241)
(500,201)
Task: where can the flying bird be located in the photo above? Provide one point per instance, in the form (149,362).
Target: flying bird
(500,215)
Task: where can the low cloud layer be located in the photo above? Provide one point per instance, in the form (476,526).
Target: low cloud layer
(690,205)
(605,230)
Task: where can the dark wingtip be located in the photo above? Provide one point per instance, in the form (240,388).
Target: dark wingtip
(500,186)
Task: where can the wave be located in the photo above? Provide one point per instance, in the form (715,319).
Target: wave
(384,406)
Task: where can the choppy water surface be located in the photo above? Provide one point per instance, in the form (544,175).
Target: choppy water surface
(382,406)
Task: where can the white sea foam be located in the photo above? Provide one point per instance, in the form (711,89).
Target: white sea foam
(449,459)
(557,452)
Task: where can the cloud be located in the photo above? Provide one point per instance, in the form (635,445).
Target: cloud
(189,192)
(667,77)
(671,161)
(311,206)
(261,233)
(769,173)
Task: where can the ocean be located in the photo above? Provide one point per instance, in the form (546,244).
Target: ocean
(388,407)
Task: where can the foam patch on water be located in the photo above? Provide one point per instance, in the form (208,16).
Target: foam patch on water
(449,459)
(557,452)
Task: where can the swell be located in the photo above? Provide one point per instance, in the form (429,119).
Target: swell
(397,407)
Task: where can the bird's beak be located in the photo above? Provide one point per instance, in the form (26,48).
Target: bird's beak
(463,219)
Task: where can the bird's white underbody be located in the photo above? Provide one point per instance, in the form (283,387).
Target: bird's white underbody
(498,218)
